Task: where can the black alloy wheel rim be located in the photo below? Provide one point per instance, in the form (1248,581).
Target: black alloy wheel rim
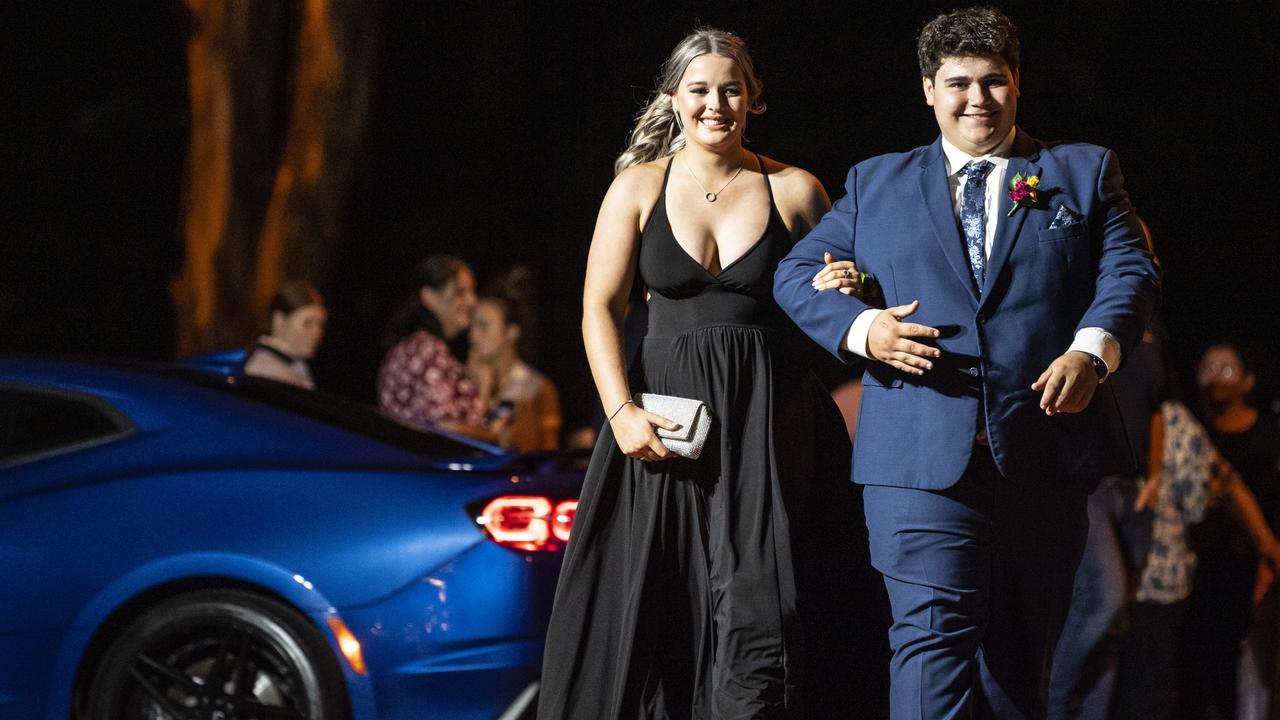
(222,669)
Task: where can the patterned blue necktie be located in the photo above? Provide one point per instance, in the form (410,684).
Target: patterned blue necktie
(973,216)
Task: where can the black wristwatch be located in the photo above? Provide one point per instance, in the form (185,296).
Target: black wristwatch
(1099,367)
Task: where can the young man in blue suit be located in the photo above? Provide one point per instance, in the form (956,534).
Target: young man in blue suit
(1016,278)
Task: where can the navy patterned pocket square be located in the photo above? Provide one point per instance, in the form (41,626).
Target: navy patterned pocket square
(1066,216)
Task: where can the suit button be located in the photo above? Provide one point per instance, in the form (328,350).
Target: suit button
(982,319)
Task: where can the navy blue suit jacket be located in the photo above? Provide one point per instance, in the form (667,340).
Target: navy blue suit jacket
(1043,283)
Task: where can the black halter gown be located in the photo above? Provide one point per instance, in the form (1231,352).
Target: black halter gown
(677,597)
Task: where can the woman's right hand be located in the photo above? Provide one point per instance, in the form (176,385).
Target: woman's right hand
(633,431)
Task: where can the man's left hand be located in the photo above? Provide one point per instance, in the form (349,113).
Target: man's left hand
(1068,383)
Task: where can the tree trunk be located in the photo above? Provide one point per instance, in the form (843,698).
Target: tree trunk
(279,97)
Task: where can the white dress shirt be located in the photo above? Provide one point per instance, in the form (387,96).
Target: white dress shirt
(1092,340)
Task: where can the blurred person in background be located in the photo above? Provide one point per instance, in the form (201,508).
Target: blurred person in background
(523,406)
(1229,581)
(1193,489)
(1141,564)
(295,327)
(421,380)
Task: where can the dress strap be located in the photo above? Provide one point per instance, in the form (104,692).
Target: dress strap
(660,202)
(768,184)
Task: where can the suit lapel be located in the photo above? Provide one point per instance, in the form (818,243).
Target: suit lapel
(936,193)
(1025,153)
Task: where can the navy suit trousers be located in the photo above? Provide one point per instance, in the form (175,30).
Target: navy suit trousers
(979,577)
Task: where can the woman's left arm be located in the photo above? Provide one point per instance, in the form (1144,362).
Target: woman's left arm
(808,202)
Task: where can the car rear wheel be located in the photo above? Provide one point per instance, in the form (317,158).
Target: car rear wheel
(218,655)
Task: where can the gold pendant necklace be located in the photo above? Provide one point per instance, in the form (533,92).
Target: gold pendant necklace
(711,196)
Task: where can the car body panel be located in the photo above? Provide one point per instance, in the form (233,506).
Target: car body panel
(208,488)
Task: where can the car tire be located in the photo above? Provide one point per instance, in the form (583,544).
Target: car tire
(218,654)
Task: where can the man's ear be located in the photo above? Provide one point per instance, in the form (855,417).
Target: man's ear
(927,84)
(1017,83)
(513,333)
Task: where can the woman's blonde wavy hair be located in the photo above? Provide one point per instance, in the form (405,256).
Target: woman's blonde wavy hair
(657,132)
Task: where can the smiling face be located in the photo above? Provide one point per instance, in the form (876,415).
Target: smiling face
(301,330)
(711,101)
(975,100)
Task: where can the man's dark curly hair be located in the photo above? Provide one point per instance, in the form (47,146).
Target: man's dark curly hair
(978,30)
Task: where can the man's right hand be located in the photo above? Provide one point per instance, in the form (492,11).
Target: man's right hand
(889,340)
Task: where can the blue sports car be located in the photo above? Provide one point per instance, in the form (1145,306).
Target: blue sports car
(189,544)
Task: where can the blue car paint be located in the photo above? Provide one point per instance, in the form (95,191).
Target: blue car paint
(212,567)
(208,485)
(471,642)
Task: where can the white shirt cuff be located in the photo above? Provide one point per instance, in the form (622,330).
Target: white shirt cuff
(856,341)
(1100,343)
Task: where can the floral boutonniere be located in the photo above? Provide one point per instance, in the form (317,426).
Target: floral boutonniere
(872,292)
(1022,191)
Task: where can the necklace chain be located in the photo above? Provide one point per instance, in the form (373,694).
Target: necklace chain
(711,196)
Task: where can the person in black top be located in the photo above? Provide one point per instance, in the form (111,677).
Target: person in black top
(1229,579)
(294,329)
(682,578)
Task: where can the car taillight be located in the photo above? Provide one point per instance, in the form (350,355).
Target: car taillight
(562,523)
(528,522)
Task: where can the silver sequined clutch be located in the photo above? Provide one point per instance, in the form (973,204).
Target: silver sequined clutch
(694,418)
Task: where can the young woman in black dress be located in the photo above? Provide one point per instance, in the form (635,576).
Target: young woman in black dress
(679,591)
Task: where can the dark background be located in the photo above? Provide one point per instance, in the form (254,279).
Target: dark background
(494,128)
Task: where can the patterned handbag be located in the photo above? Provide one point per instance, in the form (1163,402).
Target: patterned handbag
(693,415)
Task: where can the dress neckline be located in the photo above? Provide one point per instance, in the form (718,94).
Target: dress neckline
(273,350)
(764,234)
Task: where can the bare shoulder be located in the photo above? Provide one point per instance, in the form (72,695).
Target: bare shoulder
(630,199)
(800,198)
(639,184)
(794,186)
